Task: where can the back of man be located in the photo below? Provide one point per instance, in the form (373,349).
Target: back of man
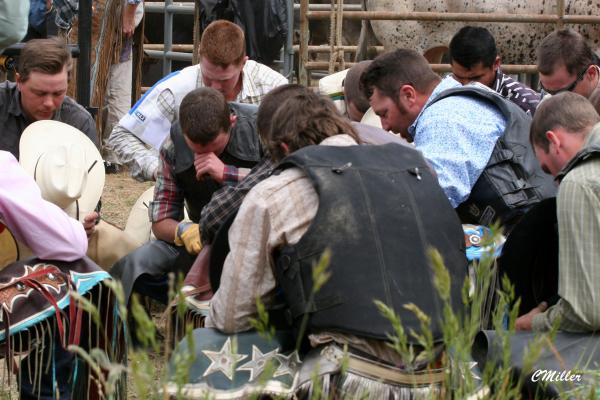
(223,66)
(39,93)
(330,196)
(566,137)
(474,58)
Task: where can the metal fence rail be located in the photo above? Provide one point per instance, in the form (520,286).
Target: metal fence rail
(308,12)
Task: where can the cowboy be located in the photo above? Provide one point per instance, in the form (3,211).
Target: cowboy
(51,235)
(471,136)
(214,144)
(566,63)
(223,66)
(566,136)
(329,193)
(39,93)
(474,58)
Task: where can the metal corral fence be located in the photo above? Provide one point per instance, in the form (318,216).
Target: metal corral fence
(338,12)
(186,52)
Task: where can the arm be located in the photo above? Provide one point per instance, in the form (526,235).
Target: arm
(579,257)
(129,18)
(166,209)
(458,148)
(247,272)
(228,200)
(39,224)
(131,151)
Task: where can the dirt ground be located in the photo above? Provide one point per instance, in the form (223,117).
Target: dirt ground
(120,193)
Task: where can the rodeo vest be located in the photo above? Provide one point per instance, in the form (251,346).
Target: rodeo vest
(243,151)
(589,152)
(380,211)
(513,180)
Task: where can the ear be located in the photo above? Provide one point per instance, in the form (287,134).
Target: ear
(407,95)
(232,120)
(18,79)
(285,148)
(592,72)
(554,140)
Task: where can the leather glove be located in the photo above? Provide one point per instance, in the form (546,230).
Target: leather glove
(188,234)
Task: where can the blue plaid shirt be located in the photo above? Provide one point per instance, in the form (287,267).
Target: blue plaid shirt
(457,136)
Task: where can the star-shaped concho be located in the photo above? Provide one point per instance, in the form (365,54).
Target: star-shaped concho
(258,363)
(223,360)
(287,364)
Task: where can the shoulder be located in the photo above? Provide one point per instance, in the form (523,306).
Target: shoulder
(73,107)
(280,182)
(260,73)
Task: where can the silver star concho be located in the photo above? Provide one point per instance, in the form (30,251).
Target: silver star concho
(223,360)
(288,365)
(258,363)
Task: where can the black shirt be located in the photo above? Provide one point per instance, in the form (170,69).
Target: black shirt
(13,121)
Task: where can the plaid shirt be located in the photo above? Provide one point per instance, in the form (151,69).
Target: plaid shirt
(578,210)
(142,160)
(228,200)
(168,202)
(527,99)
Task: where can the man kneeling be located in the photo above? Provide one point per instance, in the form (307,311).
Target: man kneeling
(378,210)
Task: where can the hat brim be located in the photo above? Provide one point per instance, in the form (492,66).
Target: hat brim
(41,136)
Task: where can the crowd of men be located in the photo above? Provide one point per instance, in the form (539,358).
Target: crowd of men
(274,168)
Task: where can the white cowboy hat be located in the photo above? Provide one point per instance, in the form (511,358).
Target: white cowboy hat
(333,87)
(138,224)
(65,164)
(370,118)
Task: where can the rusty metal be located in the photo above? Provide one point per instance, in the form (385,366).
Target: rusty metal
(347,49)
(184,48)
(560,12)
(302,71)
(463,17)
(307,13)
(506,68)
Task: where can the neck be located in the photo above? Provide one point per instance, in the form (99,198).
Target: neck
(232,96)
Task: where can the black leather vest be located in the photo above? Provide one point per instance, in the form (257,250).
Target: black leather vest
(243,151)
(589,152)
(513,180)
(380,210)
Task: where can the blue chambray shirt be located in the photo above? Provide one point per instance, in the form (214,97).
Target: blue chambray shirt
(457,136)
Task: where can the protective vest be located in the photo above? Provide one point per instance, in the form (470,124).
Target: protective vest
(588,152)
(513,180)
(243,151)
(380,211)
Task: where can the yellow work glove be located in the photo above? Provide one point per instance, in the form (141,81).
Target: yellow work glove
(188,234)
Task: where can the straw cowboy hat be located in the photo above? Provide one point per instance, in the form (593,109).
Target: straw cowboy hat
(65,164)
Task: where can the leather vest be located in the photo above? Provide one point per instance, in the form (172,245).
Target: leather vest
(243,151)
(588,152)
(513,180)
(380,211)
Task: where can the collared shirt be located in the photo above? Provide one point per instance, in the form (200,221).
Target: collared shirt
(457,136)
(578,210)
(159,106)
(35,222)
(526,98)
(13,121)
(275,213)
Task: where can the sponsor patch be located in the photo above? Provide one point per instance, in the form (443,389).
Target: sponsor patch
(140,116)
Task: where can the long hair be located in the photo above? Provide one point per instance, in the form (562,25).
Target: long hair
(303,120)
